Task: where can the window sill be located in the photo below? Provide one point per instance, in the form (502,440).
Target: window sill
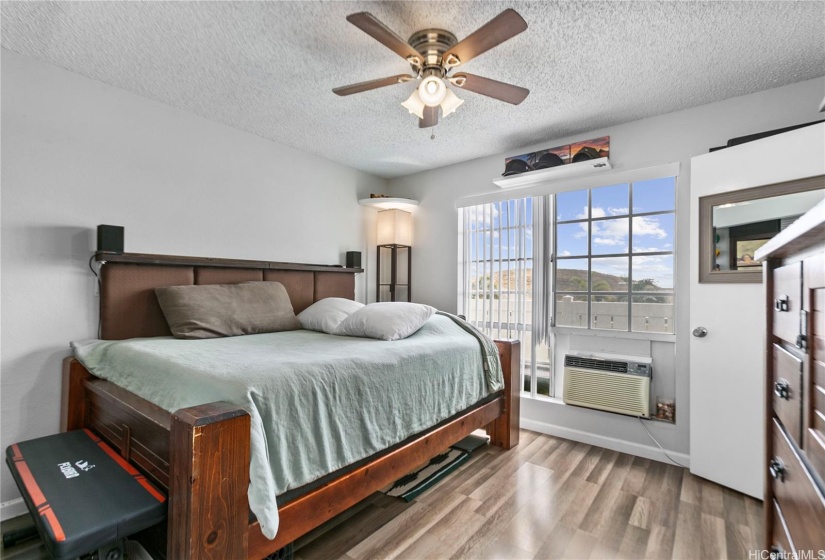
(555,401)
(658,337)
(542,398)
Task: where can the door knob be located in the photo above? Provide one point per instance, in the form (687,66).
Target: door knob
(700,332)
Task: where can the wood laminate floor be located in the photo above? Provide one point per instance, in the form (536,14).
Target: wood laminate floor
(547,498)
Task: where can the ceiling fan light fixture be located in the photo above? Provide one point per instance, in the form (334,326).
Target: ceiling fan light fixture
(432,91)
(414,105)
(450,104)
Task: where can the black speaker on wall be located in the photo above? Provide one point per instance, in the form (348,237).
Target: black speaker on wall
(110,239)
(353,259)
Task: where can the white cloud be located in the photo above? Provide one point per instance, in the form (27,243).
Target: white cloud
(566,253)
(646,225)
(482,215)
(612,241)
(611,232)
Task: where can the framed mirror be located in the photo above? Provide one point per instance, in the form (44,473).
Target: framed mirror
(733,225)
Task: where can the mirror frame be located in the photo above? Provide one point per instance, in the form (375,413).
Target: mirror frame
(706,204)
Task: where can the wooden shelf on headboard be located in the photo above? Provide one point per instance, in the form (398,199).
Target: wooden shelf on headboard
(174,260)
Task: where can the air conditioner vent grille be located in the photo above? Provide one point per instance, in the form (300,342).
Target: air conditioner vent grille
(591,363)
(625,393)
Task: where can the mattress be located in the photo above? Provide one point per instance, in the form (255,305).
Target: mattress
(317,402)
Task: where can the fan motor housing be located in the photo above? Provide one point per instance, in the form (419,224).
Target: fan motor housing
(432,44)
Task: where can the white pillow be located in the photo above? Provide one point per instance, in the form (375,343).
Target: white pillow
(326,314)
(386,321)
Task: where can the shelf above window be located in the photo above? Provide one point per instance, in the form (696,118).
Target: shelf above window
(405,204)
(531,178)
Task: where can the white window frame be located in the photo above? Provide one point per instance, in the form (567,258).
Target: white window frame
(629,293)
(551,188)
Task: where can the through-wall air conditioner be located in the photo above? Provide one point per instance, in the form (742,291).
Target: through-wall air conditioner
(608,382)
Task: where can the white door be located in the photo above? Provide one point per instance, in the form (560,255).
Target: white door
(727,364)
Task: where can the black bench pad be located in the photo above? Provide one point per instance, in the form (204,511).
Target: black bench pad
(81,493)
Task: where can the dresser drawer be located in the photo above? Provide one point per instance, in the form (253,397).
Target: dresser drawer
(815,440)
(787,396)
(787,301)
(780,539)
(802,506)
(815,428)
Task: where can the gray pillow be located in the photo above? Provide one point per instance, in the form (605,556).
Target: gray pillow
(217,310)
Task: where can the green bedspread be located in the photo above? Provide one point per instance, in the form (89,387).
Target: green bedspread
(317,402)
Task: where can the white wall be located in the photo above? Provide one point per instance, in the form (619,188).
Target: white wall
(674,137)
(77,153)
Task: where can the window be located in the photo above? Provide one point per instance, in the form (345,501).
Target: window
(614,257)
(496,277)
(498,260)
(612,268)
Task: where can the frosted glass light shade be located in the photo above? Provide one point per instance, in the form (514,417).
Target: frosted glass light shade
(395,228)
(414,105)
(450,104)
(432,90)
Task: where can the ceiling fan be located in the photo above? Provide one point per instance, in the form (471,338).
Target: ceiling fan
(433,54)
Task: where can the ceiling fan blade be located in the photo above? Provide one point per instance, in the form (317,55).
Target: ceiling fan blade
(504,26)
(372,84)
(490,88)
(430,117)
(370,25)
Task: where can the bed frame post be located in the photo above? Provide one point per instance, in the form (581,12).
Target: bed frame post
(209,479)
(503,431)
(73,402)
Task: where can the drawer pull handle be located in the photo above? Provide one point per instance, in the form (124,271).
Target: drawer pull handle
(781,304)
(776,552)
(782,390)
(777,470)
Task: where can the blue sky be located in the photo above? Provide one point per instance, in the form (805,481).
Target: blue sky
(610,236)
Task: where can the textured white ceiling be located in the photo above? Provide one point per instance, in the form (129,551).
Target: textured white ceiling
(269,67)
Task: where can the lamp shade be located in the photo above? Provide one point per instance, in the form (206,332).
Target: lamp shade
(414,105)
(450,104)
(395,228)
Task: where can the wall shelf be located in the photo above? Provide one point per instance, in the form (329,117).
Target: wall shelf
(406,204)
(530,178)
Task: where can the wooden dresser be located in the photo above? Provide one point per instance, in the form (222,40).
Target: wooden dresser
(795,388)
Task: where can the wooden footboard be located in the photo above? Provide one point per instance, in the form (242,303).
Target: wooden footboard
(200,456)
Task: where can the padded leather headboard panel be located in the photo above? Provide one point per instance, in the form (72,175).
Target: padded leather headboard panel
(330,284)
(129,307)
(299,285)
(208,275)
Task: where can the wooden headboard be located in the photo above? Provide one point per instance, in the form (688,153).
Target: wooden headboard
(129,308)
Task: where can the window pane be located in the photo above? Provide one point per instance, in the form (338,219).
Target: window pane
(652,313)
(571,239)
(571,310)
(571,205)
(610,201)
(653,233)
(571,275)
(609,274)
(609,236)
(653,273)
(655,195)
(609,312)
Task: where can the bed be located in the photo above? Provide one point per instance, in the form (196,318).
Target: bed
(201,454)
